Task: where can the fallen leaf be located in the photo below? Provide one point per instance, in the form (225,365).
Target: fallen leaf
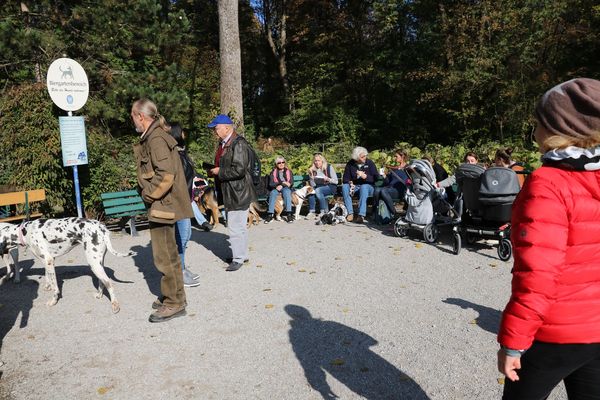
(493,265)
(103,389)
(259,266)
(337,258)
(250,248)
(418,245)
(291,263)
(267,290)
(501,381)
(31,337)
(70,261)
(345,310)
(301,270)
(192,315)
(269,306)
(337,361)
(318,241)
(312,272)
(473,322)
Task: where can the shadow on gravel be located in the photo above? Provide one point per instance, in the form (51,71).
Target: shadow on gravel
(344,353)
(215,242)
(145,264)
(16,300)
(489,318)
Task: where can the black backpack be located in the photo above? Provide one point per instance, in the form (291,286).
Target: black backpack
(254,166)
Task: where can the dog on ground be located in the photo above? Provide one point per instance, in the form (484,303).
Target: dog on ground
(206,198)
(298,197)
(50,238)
(337,215)
(253,214)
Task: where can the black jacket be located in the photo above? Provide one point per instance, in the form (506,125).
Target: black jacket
(234,175)
(352,168)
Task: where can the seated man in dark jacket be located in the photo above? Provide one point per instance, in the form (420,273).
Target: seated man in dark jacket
(359,177)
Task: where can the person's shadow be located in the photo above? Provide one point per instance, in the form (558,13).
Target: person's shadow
(215,242)
(16,300)
(344,353)
(144,261)
(489,318)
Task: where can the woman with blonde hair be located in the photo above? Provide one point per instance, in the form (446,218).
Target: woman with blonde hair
(323,179)
(550,328)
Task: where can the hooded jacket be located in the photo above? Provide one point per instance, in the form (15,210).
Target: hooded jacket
(161,178)
(556,275)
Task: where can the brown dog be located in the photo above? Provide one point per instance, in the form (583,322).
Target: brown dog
(208,201)
(298,197)
(253,214)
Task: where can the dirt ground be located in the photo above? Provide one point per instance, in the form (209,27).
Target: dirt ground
(348,312)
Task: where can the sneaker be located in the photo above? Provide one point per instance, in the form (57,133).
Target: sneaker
(289,218)
(206,226)
(234,266)
(350,218)
(268,218)
(311,214)
(193,275)
(359,219)
(229,260)
(166,313)
(188,280)
(156,304)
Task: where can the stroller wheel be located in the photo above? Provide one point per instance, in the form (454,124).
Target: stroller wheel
(430,233)
(400,230)
(456,245)
(504,249)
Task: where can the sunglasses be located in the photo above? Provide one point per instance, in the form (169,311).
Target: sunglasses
(281,162)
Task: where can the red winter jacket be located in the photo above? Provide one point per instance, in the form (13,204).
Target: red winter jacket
(556,276)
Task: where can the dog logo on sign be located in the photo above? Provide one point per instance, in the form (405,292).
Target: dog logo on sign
(67,72)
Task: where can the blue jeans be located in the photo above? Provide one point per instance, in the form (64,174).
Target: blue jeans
(287,199)
(320,194)
(364,191)
(183,233)
(200,218)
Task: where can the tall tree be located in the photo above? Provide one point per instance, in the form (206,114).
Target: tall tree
(231,63)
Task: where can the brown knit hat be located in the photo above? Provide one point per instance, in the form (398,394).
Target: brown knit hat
(571,109)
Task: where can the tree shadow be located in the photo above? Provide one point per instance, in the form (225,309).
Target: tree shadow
(215,242)
(16,300)
(144,261)
(328,346)
(489,318)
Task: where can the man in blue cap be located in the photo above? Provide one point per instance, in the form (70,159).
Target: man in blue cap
(234,183)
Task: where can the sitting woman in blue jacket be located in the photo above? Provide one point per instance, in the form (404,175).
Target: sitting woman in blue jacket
(359,177)
(281,180)
(394,185)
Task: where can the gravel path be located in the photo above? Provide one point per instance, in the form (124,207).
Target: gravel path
(348,311)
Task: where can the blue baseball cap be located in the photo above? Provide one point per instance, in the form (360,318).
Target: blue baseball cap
(220,119)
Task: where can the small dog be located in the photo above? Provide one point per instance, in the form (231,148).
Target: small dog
(8,252)
(298,197)
(337,215)
(50,238)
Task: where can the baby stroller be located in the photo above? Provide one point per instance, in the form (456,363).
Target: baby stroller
(427,209)
(485,204)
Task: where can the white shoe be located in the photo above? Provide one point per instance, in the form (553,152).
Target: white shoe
(311,214)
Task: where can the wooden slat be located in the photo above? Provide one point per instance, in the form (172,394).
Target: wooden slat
(139,208)
(20,217)
(122,201)
(36,195)
(7,199)
(117,195)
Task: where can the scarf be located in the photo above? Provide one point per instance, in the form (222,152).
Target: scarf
(574,158)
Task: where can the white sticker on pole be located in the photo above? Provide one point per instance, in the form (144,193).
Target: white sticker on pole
(67,84)
(72,141)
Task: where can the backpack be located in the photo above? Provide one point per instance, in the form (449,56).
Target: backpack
(254,166)
(383,214)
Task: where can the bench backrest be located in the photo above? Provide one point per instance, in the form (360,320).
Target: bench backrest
(121,204)
(29,196)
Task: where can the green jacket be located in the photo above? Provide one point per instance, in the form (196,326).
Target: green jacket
(160,177)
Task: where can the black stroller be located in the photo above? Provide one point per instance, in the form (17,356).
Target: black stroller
(485,204)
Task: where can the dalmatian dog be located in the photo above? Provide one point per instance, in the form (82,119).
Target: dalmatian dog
(337,215)
(50,238)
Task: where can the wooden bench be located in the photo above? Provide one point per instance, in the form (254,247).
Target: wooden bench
(22,202)
(125,205)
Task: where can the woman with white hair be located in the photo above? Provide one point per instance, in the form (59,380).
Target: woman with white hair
(281,180)
(359,177)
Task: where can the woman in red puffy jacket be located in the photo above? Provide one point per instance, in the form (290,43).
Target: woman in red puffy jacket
(550,329)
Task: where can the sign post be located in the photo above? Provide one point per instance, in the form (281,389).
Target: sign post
(68,87)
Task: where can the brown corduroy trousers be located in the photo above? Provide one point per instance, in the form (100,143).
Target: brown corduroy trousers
(167,262)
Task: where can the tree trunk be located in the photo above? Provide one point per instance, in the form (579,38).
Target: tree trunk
(231,64)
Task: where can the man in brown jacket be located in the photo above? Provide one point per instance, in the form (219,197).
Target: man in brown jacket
(163,188)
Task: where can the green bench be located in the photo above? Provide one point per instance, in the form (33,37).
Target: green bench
(125,205)
(299,181)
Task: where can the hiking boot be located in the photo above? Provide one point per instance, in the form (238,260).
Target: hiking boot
(206,226)
(234,266)
(359,219)
(311,214)
(193,275)
(188,280)
(268,218)
(350,218)
(166,313)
